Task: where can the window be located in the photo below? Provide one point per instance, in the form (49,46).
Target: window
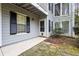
(13,23)
(65,26)
(42,26)
(57,9)
(28,24)
(49,25)
(57,25)
(21,23)
(65,8)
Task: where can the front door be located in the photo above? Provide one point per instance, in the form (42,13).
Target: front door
(42,28)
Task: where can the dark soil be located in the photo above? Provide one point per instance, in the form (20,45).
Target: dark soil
(63,40)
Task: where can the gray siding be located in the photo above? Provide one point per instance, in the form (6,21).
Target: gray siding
(61,18)
(6,37)
(34,25)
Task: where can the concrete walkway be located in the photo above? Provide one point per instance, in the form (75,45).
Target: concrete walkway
(17,48)
(0,52)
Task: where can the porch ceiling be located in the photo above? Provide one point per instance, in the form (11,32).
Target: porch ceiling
(31,8)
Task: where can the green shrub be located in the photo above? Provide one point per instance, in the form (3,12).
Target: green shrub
(57,31)
(76,30)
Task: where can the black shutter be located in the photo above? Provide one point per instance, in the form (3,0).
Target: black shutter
(49,6)
(49,25)
(52,8)
(28,24)
(13,23)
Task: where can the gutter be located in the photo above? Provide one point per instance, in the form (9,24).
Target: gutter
(38,7)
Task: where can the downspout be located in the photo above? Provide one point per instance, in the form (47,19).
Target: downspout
(47,20)
(71,20)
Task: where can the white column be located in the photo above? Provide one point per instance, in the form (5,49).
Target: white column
(47,28)
(73,18)
(54,15)
(70,19)
(0,26)
(70,9)
(53,9)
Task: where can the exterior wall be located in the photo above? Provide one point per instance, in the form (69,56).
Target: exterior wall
(62,18)
(0,26)
(44,6)
(7,38)
(51,16)
(34,25)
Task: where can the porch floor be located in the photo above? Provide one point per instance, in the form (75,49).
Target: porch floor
(17,48)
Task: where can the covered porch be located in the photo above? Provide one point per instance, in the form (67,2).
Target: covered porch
(20,21)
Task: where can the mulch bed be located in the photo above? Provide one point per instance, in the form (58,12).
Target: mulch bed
(59,40)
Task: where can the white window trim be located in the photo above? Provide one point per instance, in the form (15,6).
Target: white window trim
(21,33)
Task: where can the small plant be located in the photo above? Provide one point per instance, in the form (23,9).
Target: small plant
(76,43)
(76,30)
(57,31)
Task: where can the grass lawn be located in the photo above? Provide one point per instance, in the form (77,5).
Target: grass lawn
(55,46)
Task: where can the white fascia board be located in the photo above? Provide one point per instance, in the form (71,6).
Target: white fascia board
(41,9)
